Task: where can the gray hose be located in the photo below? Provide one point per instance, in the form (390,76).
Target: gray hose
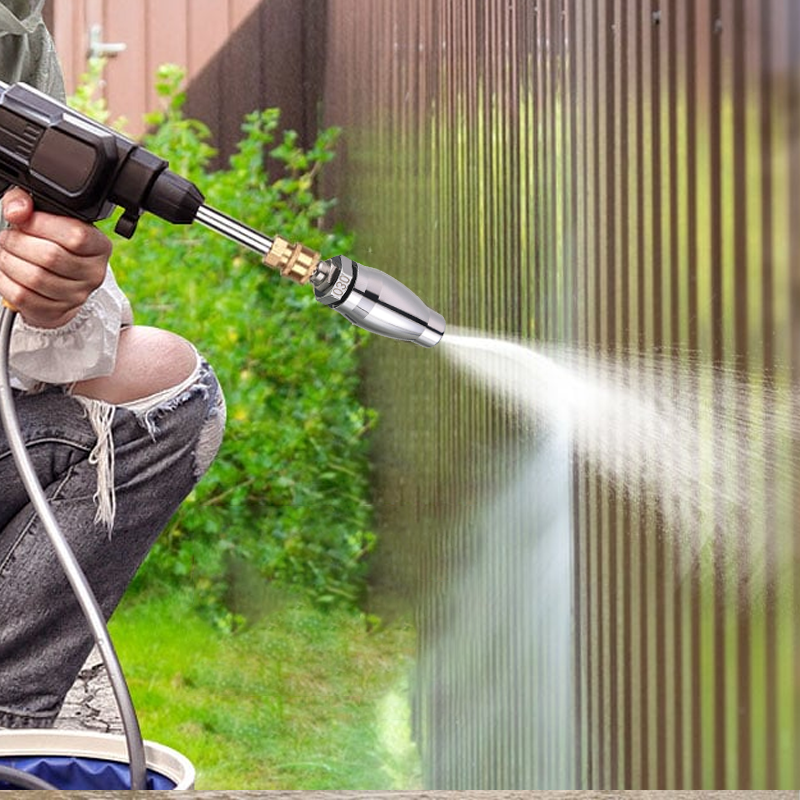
(80,586)
(19,779)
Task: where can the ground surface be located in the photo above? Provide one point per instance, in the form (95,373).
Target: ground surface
(90,704)
(431,795)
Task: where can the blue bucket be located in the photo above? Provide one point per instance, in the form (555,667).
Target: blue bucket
(79,760)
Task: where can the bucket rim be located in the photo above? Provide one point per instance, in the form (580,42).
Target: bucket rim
(103,746)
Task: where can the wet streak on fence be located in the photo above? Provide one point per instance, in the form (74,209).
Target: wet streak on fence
(618,176)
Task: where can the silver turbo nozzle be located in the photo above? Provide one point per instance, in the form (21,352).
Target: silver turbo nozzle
(366,297)
(376,302)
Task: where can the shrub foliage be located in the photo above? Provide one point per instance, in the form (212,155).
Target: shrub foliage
(288,492)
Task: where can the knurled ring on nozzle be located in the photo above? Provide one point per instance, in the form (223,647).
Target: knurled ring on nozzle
(294,261)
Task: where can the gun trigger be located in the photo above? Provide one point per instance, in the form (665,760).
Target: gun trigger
(126,224)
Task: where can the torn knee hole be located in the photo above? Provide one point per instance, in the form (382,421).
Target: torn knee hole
(147,411)
(149,362)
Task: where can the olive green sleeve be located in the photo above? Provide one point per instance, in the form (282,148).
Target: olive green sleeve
(27,52)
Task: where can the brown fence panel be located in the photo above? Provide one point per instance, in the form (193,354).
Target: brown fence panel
(609,602)
(189,33)
(239,56)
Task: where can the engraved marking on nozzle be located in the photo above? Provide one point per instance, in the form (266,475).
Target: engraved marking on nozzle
(295,261)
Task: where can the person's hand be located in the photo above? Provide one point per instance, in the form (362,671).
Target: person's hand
(49,264)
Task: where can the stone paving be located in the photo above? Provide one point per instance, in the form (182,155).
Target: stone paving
(90,704)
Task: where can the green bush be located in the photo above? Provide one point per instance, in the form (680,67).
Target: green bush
(288,492)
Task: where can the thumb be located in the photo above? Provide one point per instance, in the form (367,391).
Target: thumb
(17,206)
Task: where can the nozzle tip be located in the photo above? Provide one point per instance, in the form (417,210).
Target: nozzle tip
(434,330)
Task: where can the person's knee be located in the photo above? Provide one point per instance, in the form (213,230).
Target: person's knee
(170,392)
(149,361)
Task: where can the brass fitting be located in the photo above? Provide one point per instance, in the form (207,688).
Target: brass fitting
(295,261)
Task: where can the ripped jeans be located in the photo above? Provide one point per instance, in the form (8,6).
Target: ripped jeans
(153,454)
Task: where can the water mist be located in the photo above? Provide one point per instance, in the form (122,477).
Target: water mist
(712,449)
(693,438)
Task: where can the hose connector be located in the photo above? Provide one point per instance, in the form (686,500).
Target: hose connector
(294,261)
(376,302)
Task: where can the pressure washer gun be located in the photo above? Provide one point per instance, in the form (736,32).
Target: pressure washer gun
(76,167)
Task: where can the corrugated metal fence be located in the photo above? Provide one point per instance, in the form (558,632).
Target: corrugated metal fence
(611,603)
(621,179)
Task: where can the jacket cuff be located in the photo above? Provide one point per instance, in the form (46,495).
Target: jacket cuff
(83,348)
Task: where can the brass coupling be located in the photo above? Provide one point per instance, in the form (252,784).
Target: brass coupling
(294,261)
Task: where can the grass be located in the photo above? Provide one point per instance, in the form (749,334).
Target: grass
(302,700)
